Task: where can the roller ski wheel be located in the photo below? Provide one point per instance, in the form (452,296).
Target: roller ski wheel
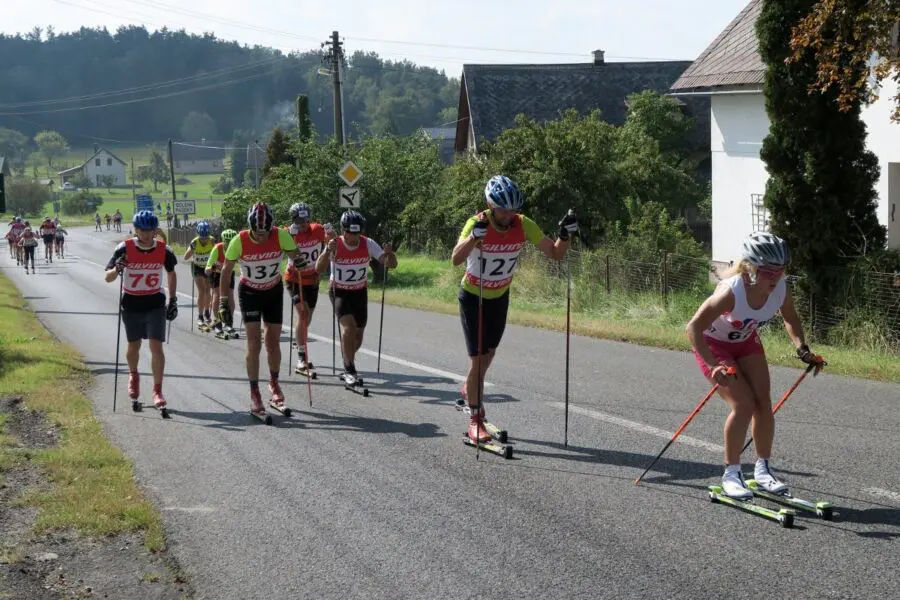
(784,516)
(354,384)
(823,510)
(232,334)
(262,416)
(284,410)
(136,406)
(222,335)
(204,327)
(498,434)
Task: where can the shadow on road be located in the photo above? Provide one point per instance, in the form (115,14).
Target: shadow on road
(71,312)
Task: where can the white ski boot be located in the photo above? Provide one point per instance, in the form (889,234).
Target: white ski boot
(733,484)
(766,479)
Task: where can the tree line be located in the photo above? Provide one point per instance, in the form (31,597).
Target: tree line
(203,87)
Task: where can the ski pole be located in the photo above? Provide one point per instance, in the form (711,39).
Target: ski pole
(730,371)
(480,347)
(381,324)
(333,320)
(193,285)
(568,331)
(790,391)
(304,339)
(290,351)
(118,341)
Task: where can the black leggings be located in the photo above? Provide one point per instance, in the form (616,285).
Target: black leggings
(29,251)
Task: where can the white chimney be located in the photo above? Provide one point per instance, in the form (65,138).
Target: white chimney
(598,57)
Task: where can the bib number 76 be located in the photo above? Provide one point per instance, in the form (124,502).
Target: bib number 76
(149,280)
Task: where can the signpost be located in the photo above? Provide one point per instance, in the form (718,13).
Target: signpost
(350,173)
(144,202)
(184,207)
(351,196)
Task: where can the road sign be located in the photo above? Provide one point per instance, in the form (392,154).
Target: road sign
(184,207)
(350,197)
(350,173)
(144,202)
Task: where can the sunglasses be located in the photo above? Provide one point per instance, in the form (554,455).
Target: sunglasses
(770,272)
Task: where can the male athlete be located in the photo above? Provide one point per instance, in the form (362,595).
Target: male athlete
(48,234)
(259,250)
(303,287)
(500,235)
(349,255)
(198,253)
(214,272)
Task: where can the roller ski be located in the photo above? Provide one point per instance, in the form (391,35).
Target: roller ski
(277,401)
(478,436)
(203,326)
(307,369)
(823,510)
(500,435)
(257,409)
(734,492)
(354,383)
(159,403)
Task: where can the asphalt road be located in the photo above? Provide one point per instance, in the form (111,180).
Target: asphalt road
(378,498)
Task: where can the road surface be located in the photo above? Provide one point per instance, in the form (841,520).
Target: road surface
(378,498)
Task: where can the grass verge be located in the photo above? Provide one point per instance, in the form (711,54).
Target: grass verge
(92,483)
(429,284)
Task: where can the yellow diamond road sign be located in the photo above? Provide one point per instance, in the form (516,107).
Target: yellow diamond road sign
(350,173)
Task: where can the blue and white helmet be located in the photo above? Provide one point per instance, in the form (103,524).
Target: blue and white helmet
(145,220)
(203,229)
(502,192)
(299,210)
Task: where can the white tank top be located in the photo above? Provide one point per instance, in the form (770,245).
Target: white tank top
(739,324)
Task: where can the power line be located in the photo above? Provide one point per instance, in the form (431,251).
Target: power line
(137,100)
(145,87)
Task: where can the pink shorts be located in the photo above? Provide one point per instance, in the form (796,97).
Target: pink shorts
(729,352)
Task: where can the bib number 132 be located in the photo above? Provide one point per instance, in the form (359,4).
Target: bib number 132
(261,271)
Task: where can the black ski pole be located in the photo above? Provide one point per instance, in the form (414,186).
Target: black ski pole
(193,284)
(568,330)
(118,341)
(381,324)
(333,298)
(480,387)
(304,339)
(291,339)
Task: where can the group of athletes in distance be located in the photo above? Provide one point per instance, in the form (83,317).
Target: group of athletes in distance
(23,240)
(723,332)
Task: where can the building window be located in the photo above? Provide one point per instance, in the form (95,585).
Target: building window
(97,162)
(108,162)
(759,213)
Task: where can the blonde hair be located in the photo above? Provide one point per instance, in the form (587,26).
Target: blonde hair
(740,267)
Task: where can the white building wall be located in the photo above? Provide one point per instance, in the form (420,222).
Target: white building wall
(884,141)
(116,169)
(739,124)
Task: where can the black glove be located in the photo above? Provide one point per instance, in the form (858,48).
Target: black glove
(224,312)
(807,356)
(568,225)
(172,309)
(480,229)
(300,262)
(120,264)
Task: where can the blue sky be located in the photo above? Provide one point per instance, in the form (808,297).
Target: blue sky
(554,31)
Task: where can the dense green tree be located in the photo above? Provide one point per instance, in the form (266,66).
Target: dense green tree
(821,191)
(108,181)
(198,126)
(51,144)
(238,87)
(13,145)
(159,170)
(278,151)
(26,197)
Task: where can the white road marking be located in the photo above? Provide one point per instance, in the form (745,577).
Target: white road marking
(661,433)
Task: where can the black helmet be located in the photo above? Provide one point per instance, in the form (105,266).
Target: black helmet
(353,222)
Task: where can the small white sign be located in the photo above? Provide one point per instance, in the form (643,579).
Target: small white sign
(350,173)
(350,197)
(184,207)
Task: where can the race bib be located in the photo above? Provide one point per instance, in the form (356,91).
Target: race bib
(494,268)
(141,281)
(261,274)
(350,276)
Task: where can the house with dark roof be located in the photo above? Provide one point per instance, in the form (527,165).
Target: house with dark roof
(730,73)
(445,138)
(491,96)
(202,157)
(103,162)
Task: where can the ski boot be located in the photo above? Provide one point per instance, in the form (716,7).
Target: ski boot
(219,330)
(353,382)
(766,479)
(202,325)
(477,432)
(134,391)
(734,486)
(159,402)
(277,401)
(478,436)
(305,368)
(462,404)
(257,409)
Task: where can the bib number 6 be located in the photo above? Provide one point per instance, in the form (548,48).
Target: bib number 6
(144,280)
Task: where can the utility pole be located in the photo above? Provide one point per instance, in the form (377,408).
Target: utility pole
(172,177)
(133,197)
(334,57)
(255,164)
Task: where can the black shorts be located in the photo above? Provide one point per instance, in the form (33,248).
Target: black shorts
(48,239)
(29,251)
(145,325)
(351,302)
(216,277)
(198,271)
(265,305)
(493,320)
(310,294)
